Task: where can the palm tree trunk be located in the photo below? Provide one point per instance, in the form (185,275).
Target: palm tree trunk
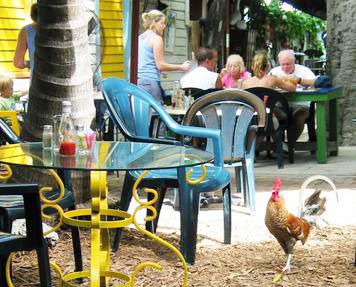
(341,48)
(62,72)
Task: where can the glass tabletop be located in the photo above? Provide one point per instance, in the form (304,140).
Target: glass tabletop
(106,156)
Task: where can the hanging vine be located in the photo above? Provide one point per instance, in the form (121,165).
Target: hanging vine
(275,26)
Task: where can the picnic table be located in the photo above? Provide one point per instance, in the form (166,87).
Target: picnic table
(327,120)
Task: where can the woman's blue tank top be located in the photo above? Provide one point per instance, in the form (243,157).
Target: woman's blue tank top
(147,68)
(31,33)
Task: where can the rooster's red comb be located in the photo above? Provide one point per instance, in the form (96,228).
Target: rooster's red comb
(277,184)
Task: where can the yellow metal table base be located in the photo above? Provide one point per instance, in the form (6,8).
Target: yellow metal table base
(99,273)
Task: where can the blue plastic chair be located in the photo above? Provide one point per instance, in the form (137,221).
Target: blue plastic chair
(131,108)
(232,111)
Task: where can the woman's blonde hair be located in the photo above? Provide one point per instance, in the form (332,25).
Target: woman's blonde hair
(151,18)
(260,63)
(5,81)
(235,59)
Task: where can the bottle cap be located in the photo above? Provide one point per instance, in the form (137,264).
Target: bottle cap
(66,106)
(66,103)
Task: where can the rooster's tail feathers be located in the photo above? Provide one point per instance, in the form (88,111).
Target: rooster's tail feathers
(314,205)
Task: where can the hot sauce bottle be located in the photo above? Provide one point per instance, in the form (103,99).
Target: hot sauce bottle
(66,131)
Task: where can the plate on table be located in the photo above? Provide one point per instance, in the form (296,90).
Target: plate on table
(307,89)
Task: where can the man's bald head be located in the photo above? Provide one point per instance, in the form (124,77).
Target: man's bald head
(286,60)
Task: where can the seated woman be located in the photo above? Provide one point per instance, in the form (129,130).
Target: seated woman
(260,69)
(234,71)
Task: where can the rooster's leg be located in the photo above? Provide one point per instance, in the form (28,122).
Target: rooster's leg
(287,268)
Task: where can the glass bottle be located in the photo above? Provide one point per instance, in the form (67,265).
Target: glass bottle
(66,131)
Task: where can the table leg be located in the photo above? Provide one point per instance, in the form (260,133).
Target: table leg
(333,126)
(189,207)
(100,237)
(321,135)
(99,272)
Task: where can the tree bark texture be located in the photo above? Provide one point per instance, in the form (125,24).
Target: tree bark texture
(62,72)
(341,50)
(62,68)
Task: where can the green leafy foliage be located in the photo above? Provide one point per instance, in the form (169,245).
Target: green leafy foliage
(277,26)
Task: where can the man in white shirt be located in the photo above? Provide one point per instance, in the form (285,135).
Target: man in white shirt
(289,69)
(302,75)
(203,77)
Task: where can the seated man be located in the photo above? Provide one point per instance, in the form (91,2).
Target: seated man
(203,77)
(301,75)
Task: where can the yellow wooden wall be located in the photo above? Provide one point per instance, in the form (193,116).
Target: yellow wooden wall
(13,15)
(111,15)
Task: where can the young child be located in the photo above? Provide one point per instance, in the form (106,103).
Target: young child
(233,71)
(7,96)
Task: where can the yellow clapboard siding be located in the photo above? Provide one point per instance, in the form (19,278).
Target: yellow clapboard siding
(16,75)
(10,13)
(7,45)
(112,1)
(11,24)
(108,6)
(8,67)
(112,50)
(6,56)
(113,74)
(112,67)
(111,14)
(114,42)
(119,58)
(104,15)
(13,3)
(116,24)
(114,33)
(9,34)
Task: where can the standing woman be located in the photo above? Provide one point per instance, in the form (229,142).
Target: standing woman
(26,41)
(151,54)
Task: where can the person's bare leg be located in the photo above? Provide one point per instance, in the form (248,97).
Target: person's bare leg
(300,116)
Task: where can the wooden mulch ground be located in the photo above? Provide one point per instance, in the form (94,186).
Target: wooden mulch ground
(325,260)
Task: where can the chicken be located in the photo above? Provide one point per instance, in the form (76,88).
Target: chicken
(286,227)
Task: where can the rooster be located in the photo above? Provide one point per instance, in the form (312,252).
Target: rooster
(286,227)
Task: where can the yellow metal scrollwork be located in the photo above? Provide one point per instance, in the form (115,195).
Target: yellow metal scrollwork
(8,172)
(7,270)
(199,179)
(148,205)
(45,189)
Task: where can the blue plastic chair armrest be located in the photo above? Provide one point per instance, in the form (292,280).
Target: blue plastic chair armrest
(213,134)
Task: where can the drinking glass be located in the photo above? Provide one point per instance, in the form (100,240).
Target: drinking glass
(47,137)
